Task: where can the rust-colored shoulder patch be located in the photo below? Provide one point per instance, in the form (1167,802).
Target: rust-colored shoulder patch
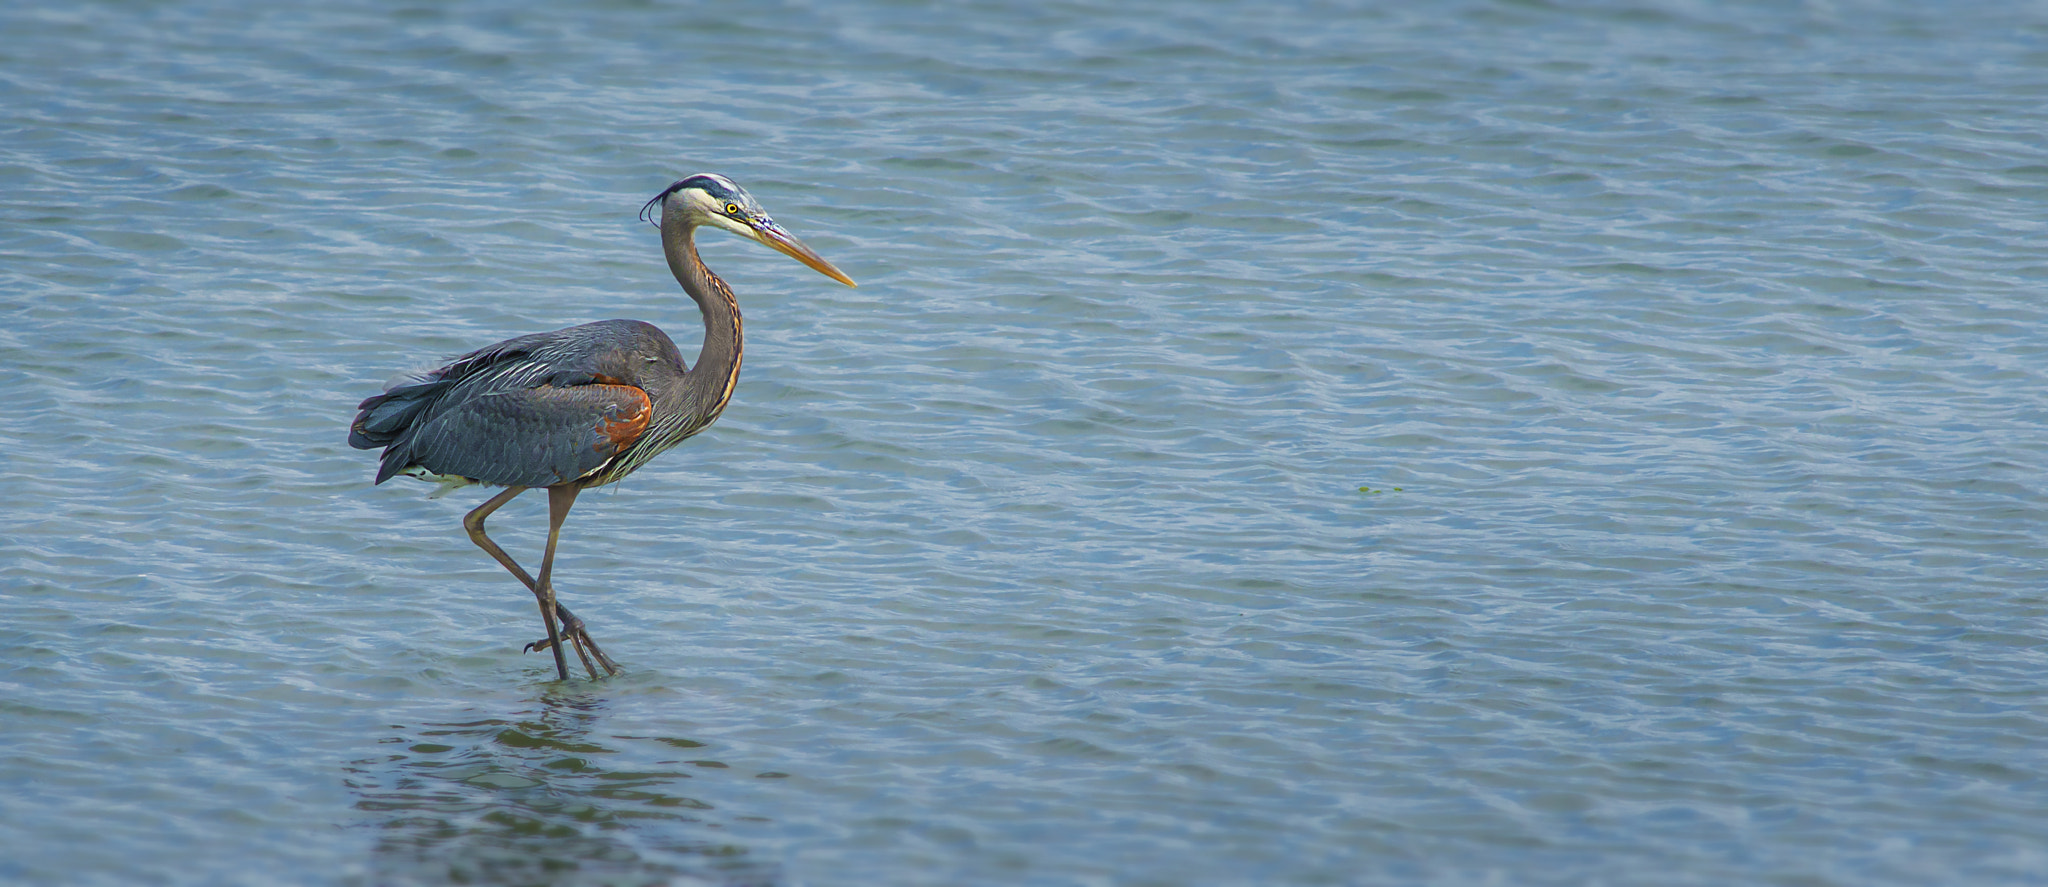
(621,430)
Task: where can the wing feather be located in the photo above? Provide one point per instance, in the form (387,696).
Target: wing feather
(526,437)
(530,411)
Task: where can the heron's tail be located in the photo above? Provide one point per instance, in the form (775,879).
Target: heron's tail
(387,419)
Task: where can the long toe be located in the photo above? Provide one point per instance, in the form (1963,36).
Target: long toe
(579,639)
(605,662)
(589,643)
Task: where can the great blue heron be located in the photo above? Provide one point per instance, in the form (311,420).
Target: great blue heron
(577,407)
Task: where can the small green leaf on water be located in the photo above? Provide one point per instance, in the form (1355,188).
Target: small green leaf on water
(1372,492)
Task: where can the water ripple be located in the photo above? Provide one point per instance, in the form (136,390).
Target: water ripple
(1335,444)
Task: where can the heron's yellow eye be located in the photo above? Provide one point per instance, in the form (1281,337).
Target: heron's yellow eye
(732,209)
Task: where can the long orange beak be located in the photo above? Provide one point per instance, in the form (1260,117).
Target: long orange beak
(773,235)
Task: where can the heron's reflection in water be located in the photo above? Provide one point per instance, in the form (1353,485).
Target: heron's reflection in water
(535,798)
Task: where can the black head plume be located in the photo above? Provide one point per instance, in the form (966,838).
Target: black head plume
(657,199)
(719,187)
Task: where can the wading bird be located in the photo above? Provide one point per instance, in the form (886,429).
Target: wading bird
(578,407)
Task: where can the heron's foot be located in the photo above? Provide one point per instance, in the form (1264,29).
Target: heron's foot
(579,639)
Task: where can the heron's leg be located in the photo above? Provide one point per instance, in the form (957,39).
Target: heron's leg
(572,627)
(560,498)
(474,523)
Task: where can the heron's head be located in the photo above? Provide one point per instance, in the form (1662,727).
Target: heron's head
(712,200)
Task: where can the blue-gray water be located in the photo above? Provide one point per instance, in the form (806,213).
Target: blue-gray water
(1692,358)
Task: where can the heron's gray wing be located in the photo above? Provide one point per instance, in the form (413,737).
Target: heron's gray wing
(524,437)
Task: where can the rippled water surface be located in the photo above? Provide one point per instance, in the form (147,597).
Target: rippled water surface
(1473,443)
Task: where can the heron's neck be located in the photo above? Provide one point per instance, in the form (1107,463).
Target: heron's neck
(709,382)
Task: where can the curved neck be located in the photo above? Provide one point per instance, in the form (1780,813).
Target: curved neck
(709,382)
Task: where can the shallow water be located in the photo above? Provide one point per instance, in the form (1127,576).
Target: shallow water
(1490,443)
